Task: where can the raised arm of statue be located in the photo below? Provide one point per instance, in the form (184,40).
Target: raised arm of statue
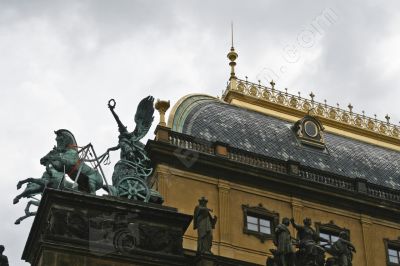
(121,127)
(298,227)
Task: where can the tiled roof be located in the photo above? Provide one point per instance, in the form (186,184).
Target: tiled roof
(214,120)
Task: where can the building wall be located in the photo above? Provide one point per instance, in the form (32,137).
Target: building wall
(182,189)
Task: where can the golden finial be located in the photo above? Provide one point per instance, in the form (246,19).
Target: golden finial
(272,84)
(350,108)
(232,55)
(387,118)
(312,95)
(162,107)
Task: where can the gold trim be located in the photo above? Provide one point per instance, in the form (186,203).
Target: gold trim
(179,102)
(291,108)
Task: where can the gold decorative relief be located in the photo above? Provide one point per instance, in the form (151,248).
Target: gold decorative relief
(272,95)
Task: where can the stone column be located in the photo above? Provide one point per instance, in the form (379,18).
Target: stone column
(297,212)
(366,225)
(224,216)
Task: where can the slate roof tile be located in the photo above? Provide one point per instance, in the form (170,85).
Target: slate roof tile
(269,136)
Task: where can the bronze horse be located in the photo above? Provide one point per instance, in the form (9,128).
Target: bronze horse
(62,159)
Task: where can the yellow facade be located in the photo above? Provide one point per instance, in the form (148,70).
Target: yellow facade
(370,211)
(182,189)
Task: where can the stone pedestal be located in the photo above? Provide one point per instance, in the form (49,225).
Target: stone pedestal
(77,229)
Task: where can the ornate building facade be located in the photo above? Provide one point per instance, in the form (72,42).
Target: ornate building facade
(262,159)
(260,154)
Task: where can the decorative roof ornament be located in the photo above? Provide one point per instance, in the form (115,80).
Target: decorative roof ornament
(272,84)
(387,117)
(232,56)
(295,103)
(350,108)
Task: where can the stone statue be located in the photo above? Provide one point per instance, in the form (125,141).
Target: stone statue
(3,258)
(134,167)
(341,251)
(204,223)
(62,159)
(283,242)
(309,253)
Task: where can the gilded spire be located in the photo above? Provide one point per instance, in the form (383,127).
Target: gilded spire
(232,55)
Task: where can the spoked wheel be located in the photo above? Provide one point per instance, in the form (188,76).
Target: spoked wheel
(133,188)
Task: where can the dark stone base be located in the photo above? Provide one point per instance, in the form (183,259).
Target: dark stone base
(84,227)
(73,228)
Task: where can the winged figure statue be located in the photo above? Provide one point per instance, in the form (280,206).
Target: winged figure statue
(134,167)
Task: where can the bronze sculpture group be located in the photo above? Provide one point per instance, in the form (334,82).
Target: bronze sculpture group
(309,250)
(129,180)
(81,164)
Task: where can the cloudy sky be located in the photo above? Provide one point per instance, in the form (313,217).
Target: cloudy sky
(61,61)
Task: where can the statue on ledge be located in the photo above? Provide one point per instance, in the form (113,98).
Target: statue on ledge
(341,251)
(204,223)
(309,253)
(63,159)
(134,167)
(3,258)
(284,253)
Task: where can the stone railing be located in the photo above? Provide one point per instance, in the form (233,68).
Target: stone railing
(304,105)
(383,193)
(332,181)
(184,141)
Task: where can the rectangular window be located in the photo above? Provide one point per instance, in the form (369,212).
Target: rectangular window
(330,237)
(257,224)
(394,256)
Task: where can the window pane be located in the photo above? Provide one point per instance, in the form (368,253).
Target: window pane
(393,259)
(251,219)
(392,252)
(252,227)
(334,238)
(264,222)
(265,230)
(324,236)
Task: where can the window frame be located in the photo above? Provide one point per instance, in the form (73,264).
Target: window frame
(260,212)
(392,244)
(330,229)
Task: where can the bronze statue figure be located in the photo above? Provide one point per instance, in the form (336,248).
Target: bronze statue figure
(204,223)
(283,242)
(341,251)
(3,258)
(62,159)
(309,253)
(130,174)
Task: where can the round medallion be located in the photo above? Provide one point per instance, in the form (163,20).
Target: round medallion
(311,129)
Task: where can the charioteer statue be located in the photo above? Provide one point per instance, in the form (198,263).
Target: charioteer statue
(134,167)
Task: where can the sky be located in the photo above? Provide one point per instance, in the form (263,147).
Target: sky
(61,61)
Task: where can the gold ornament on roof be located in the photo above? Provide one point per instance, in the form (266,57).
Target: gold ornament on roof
(296,102)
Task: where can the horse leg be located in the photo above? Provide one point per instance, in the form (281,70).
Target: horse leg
(18,221)
(20,183)
(28,191)
(31,202)
(27,212)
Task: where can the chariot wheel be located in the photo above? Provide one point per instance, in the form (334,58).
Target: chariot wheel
(133,188)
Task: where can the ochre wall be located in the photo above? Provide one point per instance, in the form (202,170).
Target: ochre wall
(182,189)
